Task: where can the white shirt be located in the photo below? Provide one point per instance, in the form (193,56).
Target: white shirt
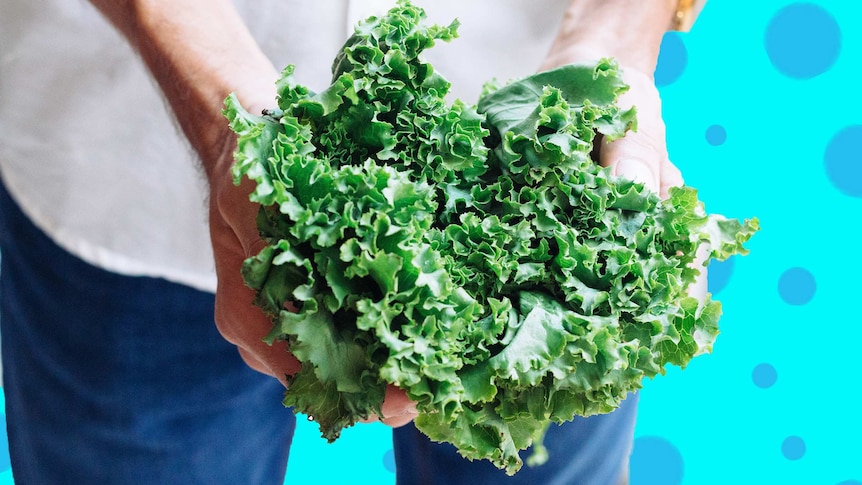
(89,149)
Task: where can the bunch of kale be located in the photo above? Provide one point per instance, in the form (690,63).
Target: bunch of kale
(474,256)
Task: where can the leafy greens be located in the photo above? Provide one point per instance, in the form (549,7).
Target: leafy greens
(473,255)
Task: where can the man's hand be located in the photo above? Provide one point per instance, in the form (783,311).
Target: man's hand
(642,154)
(199,51)
(234,238)
(631,32)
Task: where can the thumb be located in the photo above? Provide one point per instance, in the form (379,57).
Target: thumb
(642,155)
(634,167)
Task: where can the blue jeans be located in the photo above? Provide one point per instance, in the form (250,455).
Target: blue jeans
(586,451)
(112,379)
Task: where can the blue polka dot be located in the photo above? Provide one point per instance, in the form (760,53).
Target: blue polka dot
(803,40)
(672,59)
(718,274)
(716,135)
(655,461)
(843,160)
(764,376)
(389,461)
(797,286)
(793,448)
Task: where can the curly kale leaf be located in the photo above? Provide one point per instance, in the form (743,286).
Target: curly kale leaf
(475,256)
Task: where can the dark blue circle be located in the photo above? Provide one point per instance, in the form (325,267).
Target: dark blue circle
(803,40)
(843,160)
(716,135)
(718,274)
(797,286)
(389,461)
(672,59)
(793,448)
(764,375)
(655,461)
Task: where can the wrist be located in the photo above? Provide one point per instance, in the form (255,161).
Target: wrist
(687,12)
(630,31)
(199,51)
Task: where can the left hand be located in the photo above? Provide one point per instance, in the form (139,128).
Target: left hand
(642,155)
(631,33)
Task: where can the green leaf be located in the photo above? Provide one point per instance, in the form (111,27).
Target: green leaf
(475,256)
(332,409)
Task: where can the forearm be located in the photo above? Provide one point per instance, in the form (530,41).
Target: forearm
(198,51)
(628,30)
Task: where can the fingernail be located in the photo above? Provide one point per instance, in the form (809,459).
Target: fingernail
(637,170)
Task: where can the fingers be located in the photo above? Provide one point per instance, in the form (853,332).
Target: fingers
(238,320)
(252,361)
(245,325)
(239,214)
(397,408)
(671,176)
(399,421)
(642,155)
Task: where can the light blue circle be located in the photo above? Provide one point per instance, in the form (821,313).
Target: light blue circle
(764,376)
(672,59)
(5,463)
(803,40)
(389,460)
(797,286)
(718,274)
(793,448)
(655,461)
(843,160)
(716,135)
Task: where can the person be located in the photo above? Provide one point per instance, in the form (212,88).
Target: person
(116,199)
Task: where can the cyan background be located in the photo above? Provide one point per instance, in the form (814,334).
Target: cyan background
(764,117)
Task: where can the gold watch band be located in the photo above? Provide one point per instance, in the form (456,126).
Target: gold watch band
(686,13)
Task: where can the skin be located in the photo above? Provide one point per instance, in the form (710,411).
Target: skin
(199,51)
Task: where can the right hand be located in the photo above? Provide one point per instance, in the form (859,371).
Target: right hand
(235,237)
